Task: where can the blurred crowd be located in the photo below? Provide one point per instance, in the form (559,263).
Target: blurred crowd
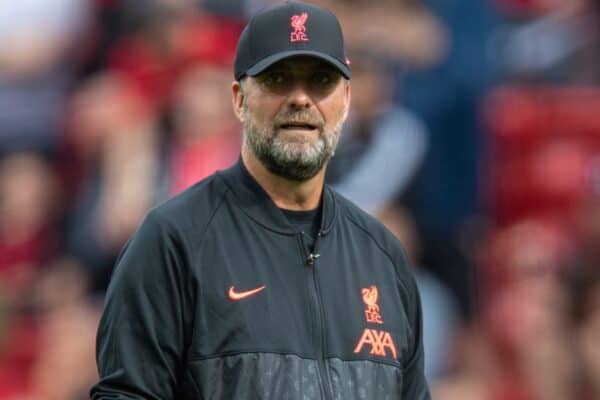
(474,136)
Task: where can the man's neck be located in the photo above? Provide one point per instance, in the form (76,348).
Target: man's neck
(285,193)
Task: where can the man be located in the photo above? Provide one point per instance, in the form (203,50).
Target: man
(260,282)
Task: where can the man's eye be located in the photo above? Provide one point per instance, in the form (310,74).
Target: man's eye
(275,78)
(322,78)
(325,79)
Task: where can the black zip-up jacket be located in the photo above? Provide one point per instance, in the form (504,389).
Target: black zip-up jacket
(217,297)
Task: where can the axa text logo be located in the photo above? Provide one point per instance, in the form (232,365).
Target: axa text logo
(379,342)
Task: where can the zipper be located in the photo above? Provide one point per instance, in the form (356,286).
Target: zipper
(310,261)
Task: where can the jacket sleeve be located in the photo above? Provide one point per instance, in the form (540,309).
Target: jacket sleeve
(141,338)
(415,384)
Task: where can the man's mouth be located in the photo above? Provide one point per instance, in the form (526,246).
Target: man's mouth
(299,126)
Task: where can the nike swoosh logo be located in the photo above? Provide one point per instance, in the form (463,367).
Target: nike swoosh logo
(236,296)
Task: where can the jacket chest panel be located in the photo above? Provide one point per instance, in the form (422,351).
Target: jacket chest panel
(364,313)
(252,296)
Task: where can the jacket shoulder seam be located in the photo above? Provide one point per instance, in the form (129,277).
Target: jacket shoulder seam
(383,250)
(201,246)
(196,250)
(211,217)
(162,219)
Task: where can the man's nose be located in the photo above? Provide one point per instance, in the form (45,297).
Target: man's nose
(299,97)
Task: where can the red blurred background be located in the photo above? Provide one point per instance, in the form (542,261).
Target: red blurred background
(474,136)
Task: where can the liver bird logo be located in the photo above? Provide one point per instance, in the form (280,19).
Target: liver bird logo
(298,23)
(370,296)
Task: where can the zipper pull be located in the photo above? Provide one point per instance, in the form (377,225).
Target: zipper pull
(312,257)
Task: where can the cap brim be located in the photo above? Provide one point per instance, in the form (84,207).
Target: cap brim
(265,63)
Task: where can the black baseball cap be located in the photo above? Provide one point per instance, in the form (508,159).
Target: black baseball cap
(287,30)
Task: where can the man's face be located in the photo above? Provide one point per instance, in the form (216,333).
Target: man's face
(292,115)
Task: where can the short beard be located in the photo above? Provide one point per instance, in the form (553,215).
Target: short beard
(283,158)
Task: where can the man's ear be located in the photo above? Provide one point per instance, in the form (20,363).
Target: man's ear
(237,99)
(347,98)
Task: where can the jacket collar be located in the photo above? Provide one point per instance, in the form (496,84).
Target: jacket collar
(257,204)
